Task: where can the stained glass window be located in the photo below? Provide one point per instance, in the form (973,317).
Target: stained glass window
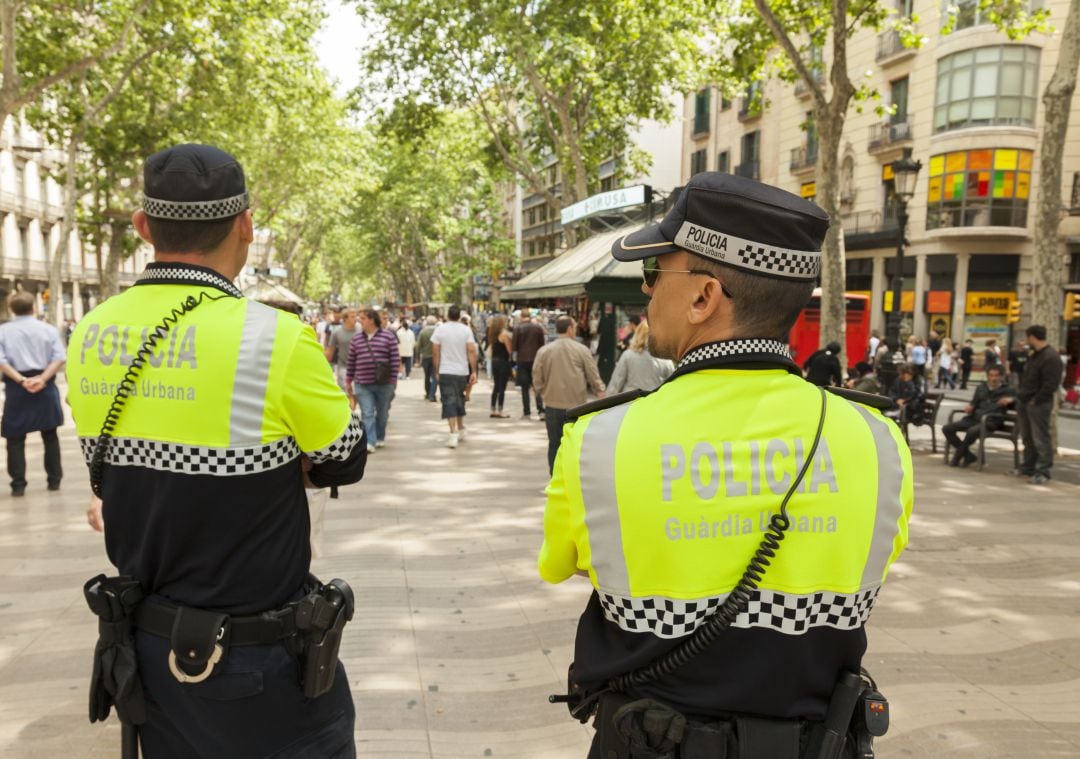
(973,188)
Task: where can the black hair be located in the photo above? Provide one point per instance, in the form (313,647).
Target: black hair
(764,306)
(372,314)
(1037,331)
(171,236)
(453,313)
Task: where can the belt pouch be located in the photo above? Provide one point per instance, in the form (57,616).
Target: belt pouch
(714,740)
(768,738)
(650,729)
(197,639)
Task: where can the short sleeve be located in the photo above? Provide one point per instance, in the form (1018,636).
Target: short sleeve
(314,408)
(57,351)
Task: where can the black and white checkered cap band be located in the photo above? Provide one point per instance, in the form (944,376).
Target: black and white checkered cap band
(783,612)
(195,210)
(340,449)
(188,276)
(748,254)
(746,347)
(194,459)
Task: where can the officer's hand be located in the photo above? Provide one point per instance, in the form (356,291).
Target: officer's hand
(93,515)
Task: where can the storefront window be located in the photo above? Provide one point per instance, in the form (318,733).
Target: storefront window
(987,86)
(979,188)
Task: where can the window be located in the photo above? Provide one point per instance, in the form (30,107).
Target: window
(607,184)
(750,155)
(698,161)
(970,13)
(723,161)
(20,179)
(701,112)
(898,97)
(977,188)
(725,102)
(987,86)
(810,129)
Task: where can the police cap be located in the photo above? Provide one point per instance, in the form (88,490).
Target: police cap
(737,222)
(193,183)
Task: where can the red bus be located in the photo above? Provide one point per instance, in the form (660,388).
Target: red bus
(806,333)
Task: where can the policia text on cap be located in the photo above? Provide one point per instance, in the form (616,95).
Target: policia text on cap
(194,407)
(738,522)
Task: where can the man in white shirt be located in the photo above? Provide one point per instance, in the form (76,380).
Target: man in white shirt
(454,357)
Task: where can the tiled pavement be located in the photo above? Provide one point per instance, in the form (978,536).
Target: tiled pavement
(456,642)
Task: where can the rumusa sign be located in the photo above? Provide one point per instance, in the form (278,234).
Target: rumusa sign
(607,201)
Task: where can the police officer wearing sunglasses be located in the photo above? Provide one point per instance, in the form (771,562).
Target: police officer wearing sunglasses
(664,499)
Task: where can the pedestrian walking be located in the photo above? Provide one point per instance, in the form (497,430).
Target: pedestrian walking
(406,347)
(1039,385)
(946,361)
(920,356)
(967,363)
(427,361)
(337,352)
(204,508)
(455,355)
(563,375)
(529,337)
(31,354)
(372,374)
(662,500)
(637,368)
(823,367)
(499,342)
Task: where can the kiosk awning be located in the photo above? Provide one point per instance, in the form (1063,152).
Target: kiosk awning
(568,275)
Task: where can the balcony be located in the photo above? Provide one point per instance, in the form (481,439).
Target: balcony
(801,90)
(749,169)
(749,110)
(803,159)
(888,134)
(865,230)
(890,49)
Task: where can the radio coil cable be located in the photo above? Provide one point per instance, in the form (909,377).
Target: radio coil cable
(126,388)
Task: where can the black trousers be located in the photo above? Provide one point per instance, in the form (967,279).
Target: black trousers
(16,459)
(500,375)
(1034,422)
(555,419)
(428,363)
(524,379)
(970,425)
(965,374)
(251,706)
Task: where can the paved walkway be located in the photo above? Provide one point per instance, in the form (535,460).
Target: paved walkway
(456,642)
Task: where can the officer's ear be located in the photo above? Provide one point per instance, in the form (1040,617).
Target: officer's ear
(138,220)
(710,301)
(245,227)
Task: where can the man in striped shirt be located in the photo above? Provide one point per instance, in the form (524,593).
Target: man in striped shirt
(372,374)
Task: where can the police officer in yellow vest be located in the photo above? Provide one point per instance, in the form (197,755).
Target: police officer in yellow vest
(662,499)
(197,410)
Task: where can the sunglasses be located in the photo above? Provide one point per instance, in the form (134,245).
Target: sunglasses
(650,272)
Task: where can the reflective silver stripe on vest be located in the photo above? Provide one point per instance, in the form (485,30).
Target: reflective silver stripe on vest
(597,470)
(252,373)
(889,509)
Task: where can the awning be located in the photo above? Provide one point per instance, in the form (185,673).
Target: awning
(568,275)
(265,290)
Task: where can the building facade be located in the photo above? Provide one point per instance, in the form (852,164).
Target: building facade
(968,104)
(31,209)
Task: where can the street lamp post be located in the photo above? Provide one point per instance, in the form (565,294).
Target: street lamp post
(905,172)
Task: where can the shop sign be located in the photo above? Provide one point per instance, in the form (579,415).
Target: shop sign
(989,302)
(938,302)
(808,190)
(907,301)
(606,201)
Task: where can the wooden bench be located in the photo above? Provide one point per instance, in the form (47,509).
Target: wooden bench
(925,413)
(1010,430)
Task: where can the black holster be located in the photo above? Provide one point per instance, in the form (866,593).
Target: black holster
(115,679)
(320,617)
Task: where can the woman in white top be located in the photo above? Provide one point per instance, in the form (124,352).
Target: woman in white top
(947,361)
(638,369)
(406,347)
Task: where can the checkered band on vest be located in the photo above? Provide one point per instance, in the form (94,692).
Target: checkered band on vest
(781,262)
(782,612)
(194,459)
(756,347)
(195,210)
(162,275)
(340,449)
